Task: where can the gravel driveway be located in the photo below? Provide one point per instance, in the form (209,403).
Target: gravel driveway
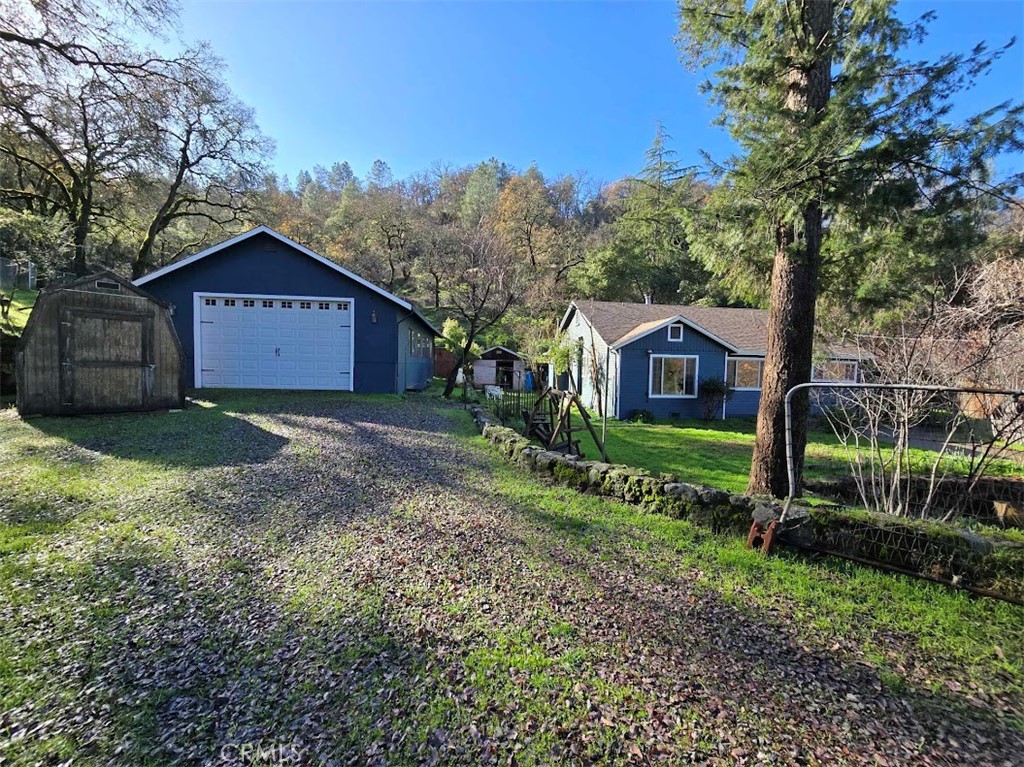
(353,587)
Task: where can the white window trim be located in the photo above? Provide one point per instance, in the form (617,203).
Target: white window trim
(696,376)
(682,333)
(856,372)
(197,343)
(743,359)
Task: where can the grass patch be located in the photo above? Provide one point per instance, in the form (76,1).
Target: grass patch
(21,308)
(718,453)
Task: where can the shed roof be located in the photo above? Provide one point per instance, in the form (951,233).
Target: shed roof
(485,352)
(743,331)
(92,279)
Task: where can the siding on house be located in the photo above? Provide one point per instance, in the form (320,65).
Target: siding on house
(263,265)
(634,380)
(743,403)
(590,371)
(713,335)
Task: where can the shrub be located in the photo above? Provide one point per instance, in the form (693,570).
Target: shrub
(641,416)
(713,393)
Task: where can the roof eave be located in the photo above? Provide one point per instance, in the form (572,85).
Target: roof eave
(565,317)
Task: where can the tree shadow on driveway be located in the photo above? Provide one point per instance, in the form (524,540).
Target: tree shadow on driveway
(194,438)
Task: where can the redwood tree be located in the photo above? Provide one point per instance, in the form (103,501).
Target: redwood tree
(837,131)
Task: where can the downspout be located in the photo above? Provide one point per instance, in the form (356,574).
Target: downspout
(725,380)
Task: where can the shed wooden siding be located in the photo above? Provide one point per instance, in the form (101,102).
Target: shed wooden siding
(594,356)
(634,378)
(91,351)
(262,265)
(413,372)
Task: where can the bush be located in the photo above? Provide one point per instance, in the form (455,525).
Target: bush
(641,416)
(713,392)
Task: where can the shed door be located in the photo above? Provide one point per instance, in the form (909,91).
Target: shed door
(105,359)
(261,342)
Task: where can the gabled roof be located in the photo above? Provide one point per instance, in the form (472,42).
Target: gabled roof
(739,330)
(517,355)
(281,238)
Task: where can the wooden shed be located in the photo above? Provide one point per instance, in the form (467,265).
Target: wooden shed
(499,366)
(98,345)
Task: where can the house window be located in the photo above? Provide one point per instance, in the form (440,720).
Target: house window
(229,302)
(286,304)
(744,373)
(843,371)
(675,332)
(343,306)
(248,303)
(268,304)
(419,344)
(673,376)
(305,304)
(323,305)
(210,301)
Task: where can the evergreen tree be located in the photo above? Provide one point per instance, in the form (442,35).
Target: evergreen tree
(836,130)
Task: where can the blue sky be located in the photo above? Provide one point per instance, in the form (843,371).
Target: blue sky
(571,86)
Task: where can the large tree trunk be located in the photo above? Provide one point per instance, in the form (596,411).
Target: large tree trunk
(788,357)
(795,272)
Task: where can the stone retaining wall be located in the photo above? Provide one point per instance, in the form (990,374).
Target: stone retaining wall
(939,552)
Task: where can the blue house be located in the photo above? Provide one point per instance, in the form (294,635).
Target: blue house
(654,356)
(259,311)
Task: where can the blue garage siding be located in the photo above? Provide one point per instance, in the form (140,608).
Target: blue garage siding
(262,265)
(635,372)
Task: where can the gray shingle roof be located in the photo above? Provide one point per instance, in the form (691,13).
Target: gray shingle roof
(744,329)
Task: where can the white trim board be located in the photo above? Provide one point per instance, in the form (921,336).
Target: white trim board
(280,238)
(197,344)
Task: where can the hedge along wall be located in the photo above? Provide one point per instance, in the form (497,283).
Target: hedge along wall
(928,549)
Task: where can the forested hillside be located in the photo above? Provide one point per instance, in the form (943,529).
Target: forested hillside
(115,153)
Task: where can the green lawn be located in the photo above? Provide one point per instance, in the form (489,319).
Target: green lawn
(24,300)
(717,453)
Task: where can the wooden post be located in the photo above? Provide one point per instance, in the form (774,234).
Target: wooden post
(597,440)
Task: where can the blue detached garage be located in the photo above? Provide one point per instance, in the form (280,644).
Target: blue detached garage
(259,311)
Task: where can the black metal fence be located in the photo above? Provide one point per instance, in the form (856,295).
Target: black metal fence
(507,405)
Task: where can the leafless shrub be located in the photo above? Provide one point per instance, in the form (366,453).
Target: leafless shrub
(926,452)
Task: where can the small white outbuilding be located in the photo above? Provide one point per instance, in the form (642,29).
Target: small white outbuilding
(501,367)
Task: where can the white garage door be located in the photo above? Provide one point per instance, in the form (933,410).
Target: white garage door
(270,342)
